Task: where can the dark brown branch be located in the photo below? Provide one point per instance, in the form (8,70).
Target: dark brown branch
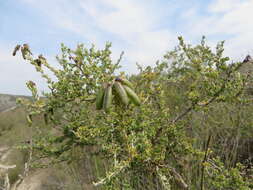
(179,117)
(203,162)
(182,114)
(160,130)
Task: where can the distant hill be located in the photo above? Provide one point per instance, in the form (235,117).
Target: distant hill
(8,101)
(14,131)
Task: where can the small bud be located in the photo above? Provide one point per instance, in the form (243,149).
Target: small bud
(41,57)
(27,48)
(16,49)
(23,52)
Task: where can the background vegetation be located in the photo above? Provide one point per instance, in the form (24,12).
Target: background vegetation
(193,129)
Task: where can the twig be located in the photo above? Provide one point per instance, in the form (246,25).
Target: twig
(182,114)
(121,167)
(120,58)
(26,170)
(159,132)
(203,162)
(6,182)
(6,167)
(179,179)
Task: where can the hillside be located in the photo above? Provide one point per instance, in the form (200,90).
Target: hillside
(8,101)
(14,131)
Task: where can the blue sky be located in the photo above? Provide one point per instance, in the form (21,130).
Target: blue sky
(144,29)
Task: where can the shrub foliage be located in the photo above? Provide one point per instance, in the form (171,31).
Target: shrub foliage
(195,113)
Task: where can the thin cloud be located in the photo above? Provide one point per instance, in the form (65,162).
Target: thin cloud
(225,20)
(130,24)
(221,6)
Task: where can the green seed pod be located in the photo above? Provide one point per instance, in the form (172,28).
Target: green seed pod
(132,95)
(107,98)
(121,93)
(125,82)
(100,99)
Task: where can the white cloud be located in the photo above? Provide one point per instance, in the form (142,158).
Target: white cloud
(228,20)
(134,24)
(235,21)
(124,18)
(151,46)
(129,23)
(224,5)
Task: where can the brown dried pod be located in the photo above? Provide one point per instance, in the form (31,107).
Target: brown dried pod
(16,49)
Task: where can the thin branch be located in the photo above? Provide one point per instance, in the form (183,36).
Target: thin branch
(203,162)
(179,179)
(26,170)
(189,109)
(160,130)
(7,182)
(6,167)
(182,114)
(120,58)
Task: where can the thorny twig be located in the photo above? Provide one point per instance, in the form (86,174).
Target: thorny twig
(203,162)
(26,170)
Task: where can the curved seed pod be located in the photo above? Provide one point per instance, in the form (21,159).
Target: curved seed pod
(100,98)
(127,83)
(29,119)
(107,98)
(121,93)
(132,95)
(46,118)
